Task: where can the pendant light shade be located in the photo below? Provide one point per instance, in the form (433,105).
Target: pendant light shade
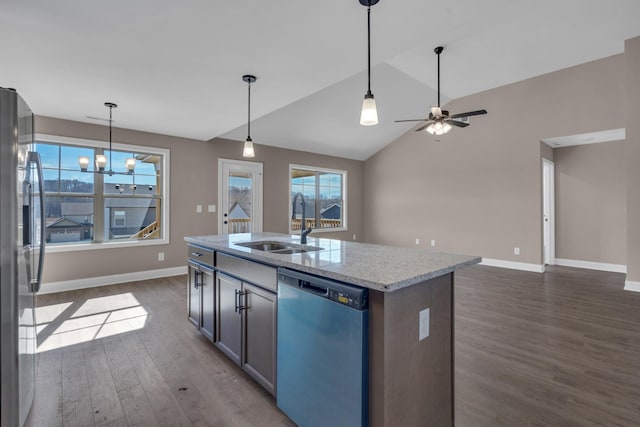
(369,114)
(248,150)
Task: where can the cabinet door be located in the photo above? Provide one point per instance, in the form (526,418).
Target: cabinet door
(229,317)
(259,358)
(193,295)
(207,289)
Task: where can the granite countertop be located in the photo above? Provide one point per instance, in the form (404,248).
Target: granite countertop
(378,267)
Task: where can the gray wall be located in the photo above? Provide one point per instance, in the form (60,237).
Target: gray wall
(478,191)
(276,184)
(194,178)
(632,118)
(591,215)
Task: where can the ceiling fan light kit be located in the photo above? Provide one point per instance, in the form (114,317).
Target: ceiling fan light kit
(248,150)
(369,114)
(439,121)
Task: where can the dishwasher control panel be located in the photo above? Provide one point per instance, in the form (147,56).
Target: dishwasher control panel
(351,296)
(339,292)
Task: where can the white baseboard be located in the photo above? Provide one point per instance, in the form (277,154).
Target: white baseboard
(631,286)
(615,268)
(536,268)
(92,282)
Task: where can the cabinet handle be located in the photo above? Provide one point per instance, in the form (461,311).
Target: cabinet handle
(240,295)
(239,305)
(196,284)
(196,254)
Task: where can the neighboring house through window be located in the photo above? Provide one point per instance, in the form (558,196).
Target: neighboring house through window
(324,192)
(90,208)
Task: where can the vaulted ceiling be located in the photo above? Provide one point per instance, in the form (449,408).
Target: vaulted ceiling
(175,67)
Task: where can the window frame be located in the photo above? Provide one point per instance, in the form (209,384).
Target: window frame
(100,197)
(344,209)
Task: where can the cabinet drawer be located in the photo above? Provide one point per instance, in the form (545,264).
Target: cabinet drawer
(250,271)
(201,255)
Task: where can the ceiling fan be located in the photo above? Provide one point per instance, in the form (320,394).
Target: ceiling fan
(439,121)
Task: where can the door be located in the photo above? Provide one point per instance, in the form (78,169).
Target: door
(260,335)
(207,288)
(239,196)
(194,301)
(229,316)
(548,212)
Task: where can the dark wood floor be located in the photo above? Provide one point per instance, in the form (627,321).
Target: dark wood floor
(558,349)
(562,348)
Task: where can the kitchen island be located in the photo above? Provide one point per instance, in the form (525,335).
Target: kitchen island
(410,315)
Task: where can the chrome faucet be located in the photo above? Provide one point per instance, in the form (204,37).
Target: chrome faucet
(303,230)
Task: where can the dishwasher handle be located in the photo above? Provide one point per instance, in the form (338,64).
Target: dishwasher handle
(312,288)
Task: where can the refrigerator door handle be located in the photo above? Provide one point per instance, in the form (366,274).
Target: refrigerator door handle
(35,158)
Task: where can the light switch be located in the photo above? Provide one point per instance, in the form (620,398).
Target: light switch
(211,208)
(423,324)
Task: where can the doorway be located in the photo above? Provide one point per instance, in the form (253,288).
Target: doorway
(548,212)
(239,196)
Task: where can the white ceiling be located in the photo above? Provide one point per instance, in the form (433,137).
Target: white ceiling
(175,67)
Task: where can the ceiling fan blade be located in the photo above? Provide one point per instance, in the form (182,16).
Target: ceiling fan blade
(424,126)
(457,123)
(468,114)
(411,120)
(436,111)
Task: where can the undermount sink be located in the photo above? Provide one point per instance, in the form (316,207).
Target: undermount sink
(279,247)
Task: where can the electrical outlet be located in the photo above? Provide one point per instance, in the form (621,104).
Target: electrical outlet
(423,324)
(160,256)
(417,241)
(354,237)
(433,243)
(211,208)
(198,208)
(516,251)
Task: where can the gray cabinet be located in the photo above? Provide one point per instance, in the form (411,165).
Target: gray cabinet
(201,298)
(259,357)
(246,317)
(229,316)
(201,290)
(207,288)
(193,295)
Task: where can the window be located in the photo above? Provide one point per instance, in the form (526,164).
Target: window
(90,208)
(119,218)
(324,192)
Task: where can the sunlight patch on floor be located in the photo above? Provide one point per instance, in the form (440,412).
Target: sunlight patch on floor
(61,325)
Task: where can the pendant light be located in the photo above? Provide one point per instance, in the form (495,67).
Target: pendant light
(101,159)
(369,115)
(248,144)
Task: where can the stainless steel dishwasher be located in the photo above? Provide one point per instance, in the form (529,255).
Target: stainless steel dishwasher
(322,375)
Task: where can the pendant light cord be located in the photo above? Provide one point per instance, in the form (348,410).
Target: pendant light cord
(110,150)
(369,48)
(249,113)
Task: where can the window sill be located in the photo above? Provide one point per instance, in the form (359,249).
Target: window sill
(320,230)
(107,245)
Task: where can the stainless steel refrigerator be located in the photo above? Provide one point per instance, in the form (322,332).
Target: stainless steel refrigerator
(21,256)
